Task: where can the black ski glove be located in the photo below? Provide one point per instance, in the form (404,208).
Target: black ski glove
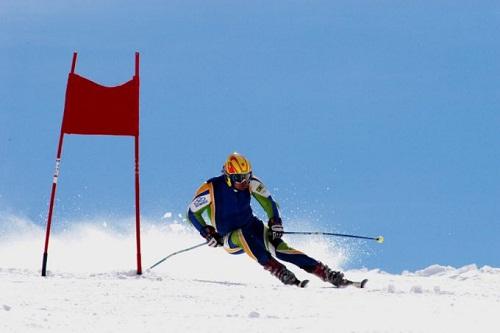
(213,238)
(276,227)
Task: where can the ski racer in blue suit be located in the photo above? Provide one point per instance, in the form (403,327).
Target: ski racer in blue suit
(226,201)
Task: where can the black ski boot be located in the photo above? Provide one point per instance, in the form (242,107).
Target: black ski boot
(283,274)
(326,274)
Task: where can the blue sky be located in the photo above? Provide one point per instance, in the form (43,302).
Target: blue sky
(368,117)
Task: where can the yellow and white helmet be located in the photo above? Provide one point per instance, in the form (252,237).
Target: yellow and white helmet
(237,168)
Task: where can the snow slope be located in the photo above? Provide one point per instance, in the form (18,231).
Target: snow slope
(92,287)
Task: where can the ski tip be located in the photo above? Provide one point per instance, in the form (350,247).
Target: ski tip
(302,284)
(356,284)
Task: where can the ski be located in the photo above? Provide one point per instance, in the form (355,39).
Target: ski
(301,284)
(357,284)
(346,283)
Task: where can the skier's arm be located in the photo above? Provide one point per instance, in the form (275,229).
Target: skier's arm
(202,203)
(199,205)
(264,198)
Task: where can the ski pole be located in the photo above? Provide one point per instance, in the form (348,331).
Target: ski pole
(379,239)
(177,252)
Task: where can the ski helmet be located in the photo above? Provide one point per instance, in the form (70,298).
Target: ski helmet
(237,168)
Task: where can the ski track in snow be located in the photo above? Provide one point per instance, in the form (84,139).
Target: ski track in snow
(467,301)
(91,287)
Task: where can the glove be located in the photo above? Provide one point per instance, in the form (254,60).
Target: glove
(213,238)
(276,227)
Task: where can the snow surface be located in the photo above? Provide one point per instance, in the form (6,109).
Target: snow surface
(92,287)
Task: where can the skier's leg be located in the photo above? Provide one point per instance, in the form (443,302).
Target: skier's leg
(252,239)
(286,253)
(232,242)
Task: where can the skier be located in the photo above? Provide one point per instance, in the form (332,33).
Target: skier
(226,200)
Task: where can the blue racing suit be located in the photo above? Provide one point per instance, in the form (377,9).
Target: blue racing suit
(230,213)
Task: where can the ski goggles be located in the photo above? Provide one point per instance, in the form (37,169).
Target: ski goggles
(240,177)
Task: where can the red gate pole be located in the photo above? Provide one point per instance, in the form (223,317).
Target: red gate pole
(54,187)
(51,206)
(137,208)
(137,201)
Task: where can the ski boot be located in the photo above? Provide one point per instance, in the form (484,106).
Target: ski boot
(326,274)
(283,274)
